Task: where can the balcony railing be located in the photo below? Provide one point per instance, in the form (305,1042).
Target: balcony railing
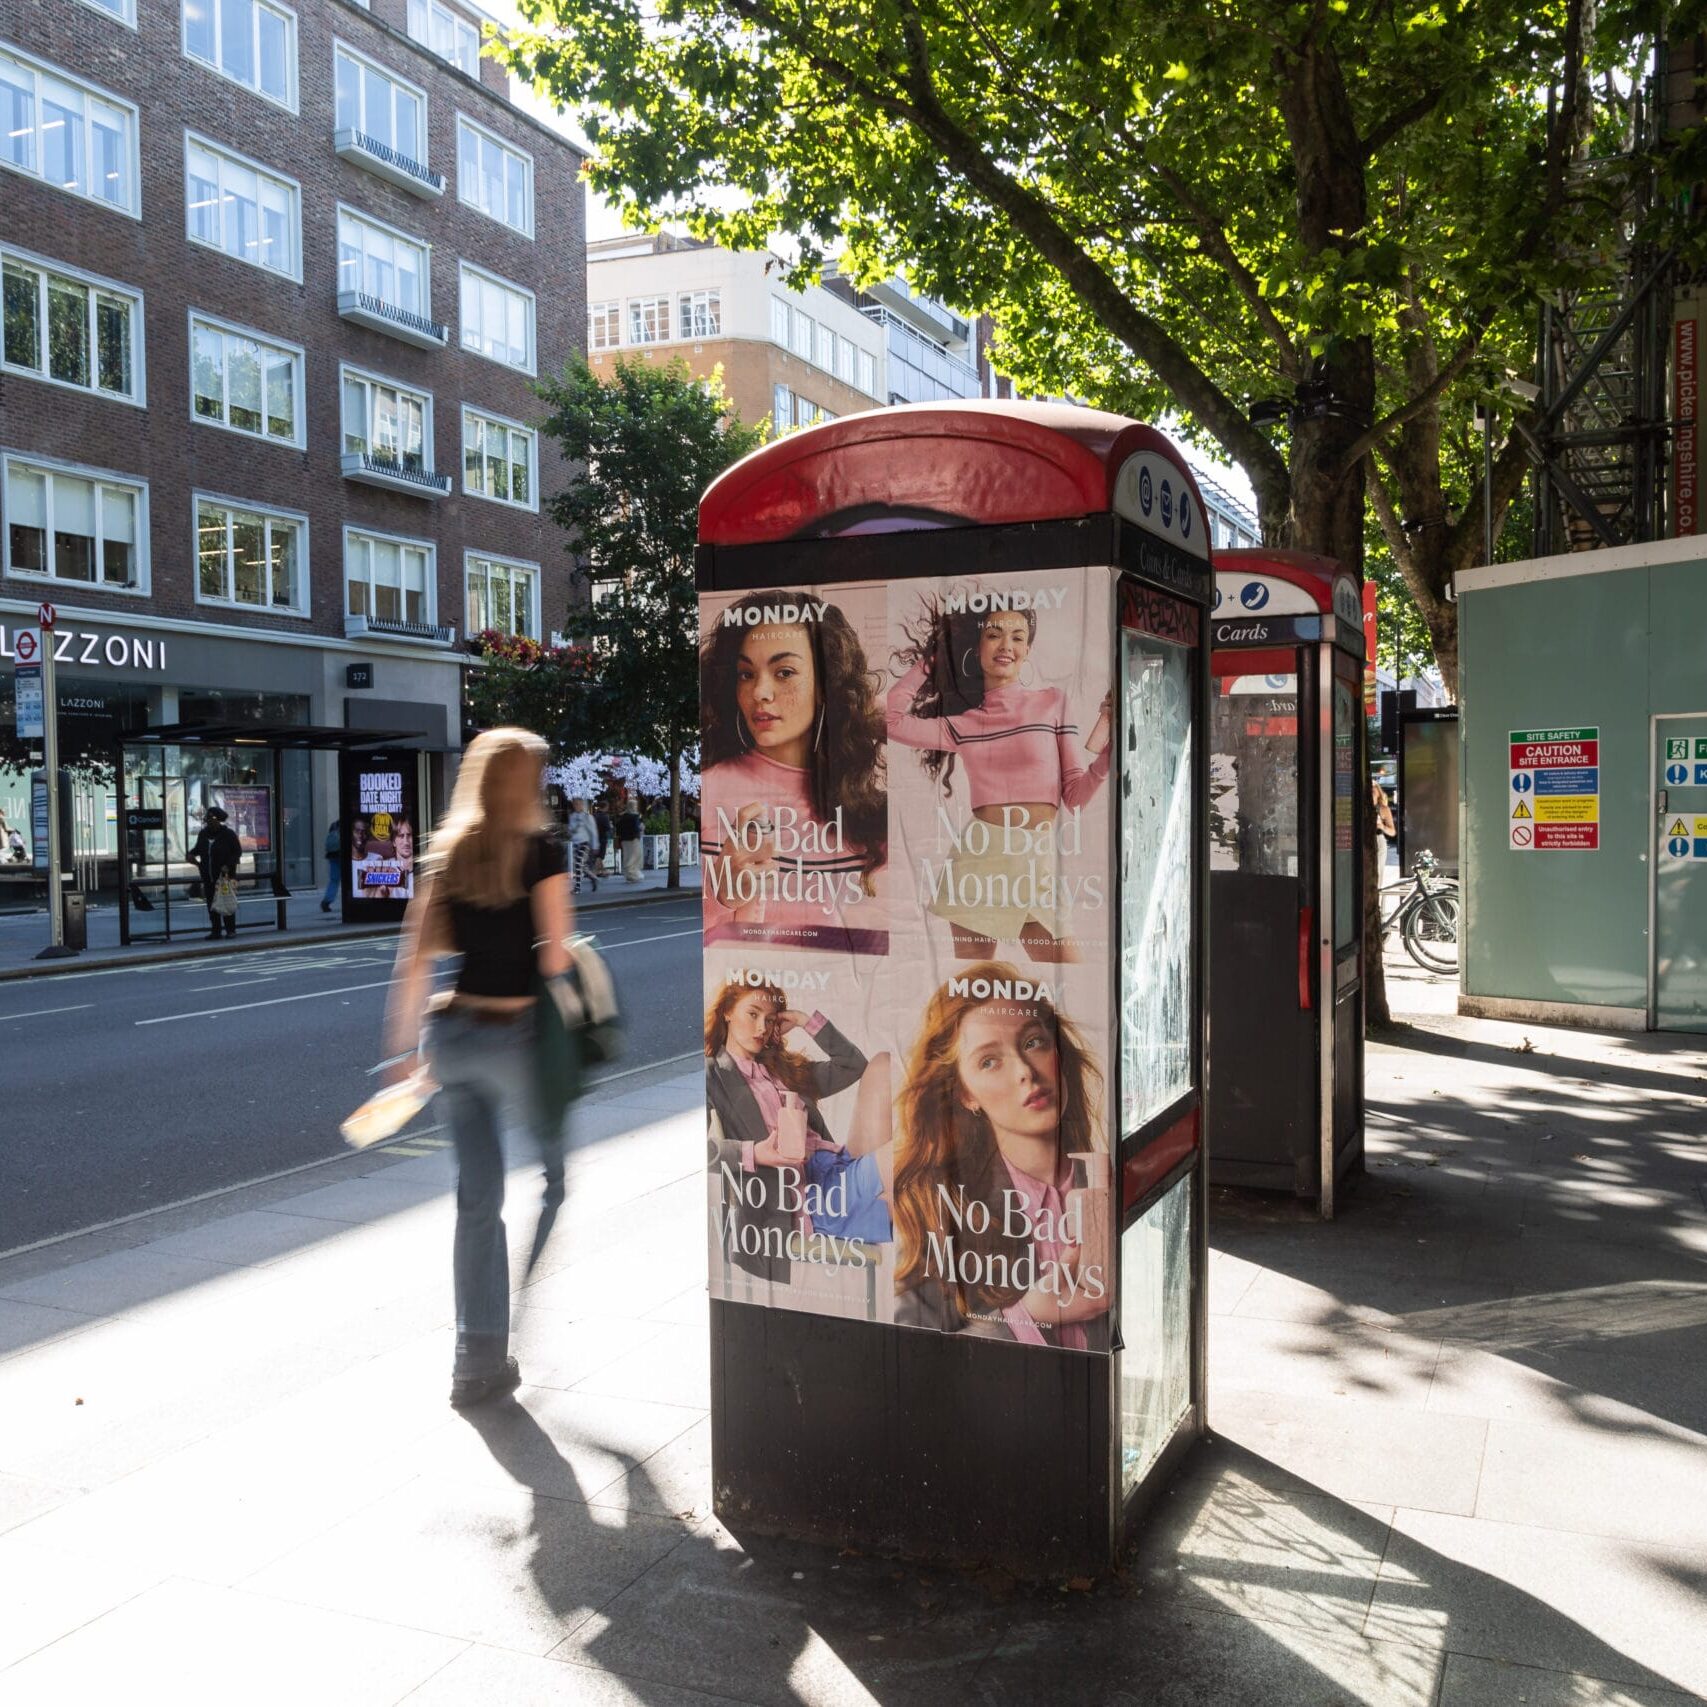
(358,627)
(381,159)
(381,316)
(395,476)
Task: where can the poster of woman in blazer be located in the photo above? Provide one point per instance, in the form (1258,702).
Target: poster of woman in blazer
(798,1191)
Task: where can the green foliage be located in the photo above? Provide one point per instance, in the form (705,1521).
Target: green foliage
(650,440)
(547,689)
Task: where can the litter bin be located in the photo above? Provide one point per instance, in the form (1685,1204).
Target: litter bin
(952,827)
(76,919)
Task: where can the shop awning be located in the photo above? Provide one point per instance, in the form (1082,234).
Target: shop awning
(300,736)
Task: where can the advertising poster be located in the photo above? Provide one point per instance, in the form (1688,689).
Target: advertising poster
(907,962)
(249,810)
(381,829)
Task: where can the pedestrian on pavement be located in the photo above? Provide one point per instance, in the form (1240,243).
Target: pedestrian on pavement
(334,865)
(583,838)
(216,855)
(628,833)
(1383,811)
(496,892)
(601,818)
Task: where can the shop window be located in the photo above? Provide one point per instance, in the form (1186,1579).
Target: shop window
(383,264)
(240,380)
(498,460)
(648,319)
(233,205)
(493,176)
(502,595)
(71,327)
(448,34)
(497,319)
(70,134)
(251,557)
(380,106)
(604,326)
(388,579)
(76,525)
(388,422)
(249,41)
(700,313)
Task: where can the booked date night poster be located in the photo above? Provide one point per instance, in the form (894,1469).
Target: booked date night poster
(906,833)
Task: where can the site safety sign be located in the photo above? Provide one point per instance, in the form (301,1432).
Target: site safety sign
(1554,804)
(1686,836)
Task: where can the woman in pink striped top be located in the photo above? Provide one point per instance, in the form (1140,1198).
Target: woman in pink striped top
(963,698)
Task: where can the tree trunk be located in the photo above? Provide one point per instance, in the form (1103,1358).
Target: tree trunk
(675,878)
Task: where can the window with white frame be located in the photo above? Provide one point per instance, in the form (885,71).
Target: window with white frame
(779,321)
(867,373)
(234,205)
(448,34)
(499,460)
(825,355)
(388,579)
(253,42)
(70,134)
(502,595)
(123,10)
(76,525)
(383,263)
(379,105)
(386,421)
(782,410)
(604,326)
(802,324)
(241,380)
(497,319)
(648,319)
(71,327)
(847,353)
(251,556)
(700,313)
(494,176)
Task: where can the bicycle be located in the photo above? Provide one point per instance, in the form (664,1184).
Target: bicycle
(1427,915)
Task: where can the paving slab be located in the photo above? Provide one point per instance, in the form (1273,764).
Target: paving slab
(1627,1613)
(1470,1682)
(495,1677)
(190,1643)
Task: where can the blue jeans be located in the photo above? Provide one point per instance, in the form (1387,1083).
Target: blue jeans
(485,1071)
(334,879)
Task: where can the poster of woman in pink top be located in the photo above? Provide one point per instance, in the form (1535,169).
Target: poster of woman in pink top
(1003,695)
(794,830)
(1001,1199)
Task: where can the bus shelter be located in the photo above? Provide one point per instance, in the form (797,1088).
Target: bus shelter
(1289,795)
(953,690)
(167,778)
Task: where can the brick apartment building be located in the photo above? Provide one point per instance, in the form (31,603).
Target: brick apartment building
(797,357)
(277,282)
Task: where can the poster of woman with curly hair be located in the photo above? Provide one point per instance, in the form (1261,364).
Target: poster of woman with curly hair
(794,810)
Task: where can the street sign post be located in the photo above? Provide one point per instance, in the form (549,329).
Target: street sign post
(47,616)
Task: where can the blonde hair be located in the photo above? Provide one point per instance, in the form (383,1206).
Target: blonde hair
(495,807)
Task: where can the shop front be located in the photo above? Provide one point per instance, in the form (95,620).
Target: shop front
(118,679)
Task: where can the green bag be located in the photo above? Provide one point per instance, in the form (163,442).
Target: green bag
(556,1055)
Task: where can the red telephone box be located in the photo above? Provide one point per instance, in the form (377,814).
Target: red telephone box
(954,677)
(1288,804)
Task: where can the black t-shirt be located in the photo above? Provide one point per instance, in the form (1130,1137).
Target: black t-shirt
(628,827)
(497,943)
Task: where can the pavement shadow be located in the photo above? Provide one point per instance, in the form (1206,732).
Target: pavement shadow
(1247,1585)
(1542,1058)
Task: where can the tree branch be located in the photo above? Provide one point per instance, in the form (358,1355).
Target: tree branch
(1406,116)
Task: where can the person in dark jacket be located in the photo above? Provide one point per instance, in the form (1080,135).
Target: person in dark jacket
(628,833)
(216,854)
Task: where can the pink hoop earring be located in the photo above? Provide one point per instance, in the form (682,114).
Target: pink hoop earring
(965,667)
(741,734)
(1022,681)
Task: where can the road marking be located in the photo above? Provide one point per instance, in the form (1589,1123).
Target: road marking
(271,1002)
(41,1013)
(635,942)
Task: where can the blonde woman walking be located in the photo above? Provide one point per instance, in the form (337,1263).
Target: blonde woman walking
(496,892)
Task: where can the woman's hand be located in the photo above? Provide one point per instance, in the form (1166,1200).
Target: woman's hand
(1101,729)
(791,1019)
(767,1153)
